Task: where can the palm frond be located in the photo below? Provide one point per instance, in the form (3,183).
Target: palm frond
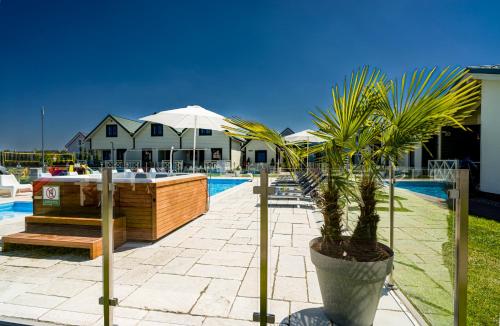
(247,129)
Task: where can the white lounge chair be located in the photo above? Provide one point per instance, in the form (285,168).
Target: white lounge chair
(140,170)
(9,182)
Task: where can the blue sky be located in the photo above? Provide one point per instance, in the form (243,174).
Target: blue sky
(273,61)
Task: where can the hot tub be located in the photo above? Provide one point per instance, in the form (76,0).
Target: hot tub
(152,204)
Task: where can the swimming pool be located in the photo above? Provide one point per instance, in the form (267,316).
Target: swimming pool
(15,209)
(216,186)
(430,188)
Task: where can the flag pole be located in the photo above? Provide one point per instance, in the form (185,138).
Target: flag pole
(43,141)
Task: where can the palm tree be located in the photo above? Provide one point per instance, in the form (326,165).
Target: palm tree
(378,119)
(348,130)
(413,110)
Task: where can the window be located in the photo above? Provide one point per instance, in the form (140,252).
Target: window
(106,155)
(216,153)
(205,132)
(156,130)
(111,130)
(261,156)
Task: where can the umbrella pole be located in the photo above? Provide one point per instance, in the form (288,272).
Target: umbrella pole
(307,156)
(172,160)
(194,144)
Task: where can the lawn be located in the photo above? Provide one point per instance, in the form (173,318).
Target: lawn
(484,272)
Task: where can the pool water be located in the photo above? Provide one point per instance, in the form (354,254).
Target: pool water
(216,186)
(15,209)
(430,188)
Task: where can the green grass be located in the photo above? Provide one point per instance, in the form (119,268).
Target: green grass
(483,292)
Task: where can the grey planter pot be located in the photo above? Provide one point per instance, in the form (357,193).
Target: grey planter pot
(350,290)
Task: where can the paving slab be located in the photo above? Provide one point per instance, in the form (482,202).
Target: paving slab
(217,299)
(166,292)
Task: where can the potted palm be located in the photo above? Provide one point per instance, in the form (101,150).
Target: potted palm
(374,119)
(371,119)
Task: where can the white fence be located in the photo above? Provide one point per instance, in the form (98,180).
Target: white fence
(444,170)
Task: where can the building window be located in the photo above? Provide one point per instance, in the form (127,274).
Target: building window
(111,130)
(106,155)
(205,132)
(156,130)
(216,154)
(261,156)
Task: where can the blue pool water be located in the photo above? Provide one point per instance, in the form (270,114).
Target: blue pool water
(15,209)
(429,188)
(216,186)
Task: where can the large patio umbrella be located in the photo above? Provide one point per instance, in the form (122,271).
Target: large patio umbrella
(192,116)
(304,136)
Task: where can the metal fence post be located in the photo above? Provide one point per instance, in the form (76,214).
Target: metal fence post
(262,316)
(461,248)
(391,216)
(107,300)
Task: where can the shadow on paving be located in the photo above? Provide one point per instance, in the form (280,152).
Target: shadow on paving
(307,317)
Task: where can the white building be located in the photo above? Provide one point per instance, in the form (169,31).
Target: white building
(117,140)
(257,154)
(489,119)
(111,138)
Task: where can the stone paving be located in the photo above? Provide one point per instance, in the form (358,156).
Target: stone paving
(205,273)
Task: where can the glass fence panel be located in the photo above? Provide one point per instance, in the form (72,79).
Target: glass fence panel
(423,241)
(50,264)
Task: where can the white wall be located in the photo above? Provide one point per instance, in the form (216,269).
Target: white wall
(235,154)
(490,136)
(217,140)
(144,140)
(255,145)
(100,141)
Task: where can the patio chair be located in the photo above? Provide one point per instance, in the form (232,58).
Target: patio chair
(9,182)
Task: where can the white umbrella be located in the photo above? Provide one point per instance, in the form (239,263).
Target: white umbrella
(192,116)
(304,136)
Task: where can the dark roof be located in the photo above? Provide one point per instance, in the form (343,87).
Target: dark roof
(286,132)
(129,125)
(485,69)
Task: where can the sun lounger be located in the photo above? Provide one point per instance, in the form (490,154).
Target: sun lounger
(10,183)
